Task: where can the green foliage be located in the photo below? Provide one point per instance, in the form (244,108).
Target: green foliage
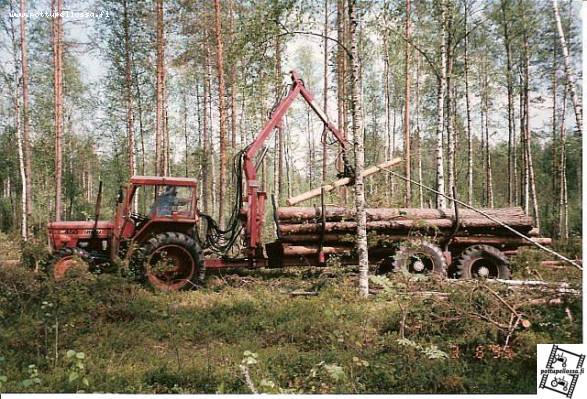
(136,340)
(77,369)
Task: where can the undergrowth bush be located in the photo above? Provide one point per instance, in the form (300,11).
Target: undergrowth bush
(106,334)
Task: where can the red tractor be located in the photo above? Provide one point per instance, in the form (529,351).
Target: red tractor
(159,238)
(160,241)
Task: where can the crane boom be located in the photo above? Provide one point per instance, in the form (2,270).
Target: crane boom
(255,199)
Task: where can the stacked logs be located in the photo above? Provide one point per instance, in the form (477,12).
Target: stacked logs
(303,230)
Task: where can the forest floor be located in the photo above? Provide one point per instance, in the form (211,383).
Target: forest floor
(301,330)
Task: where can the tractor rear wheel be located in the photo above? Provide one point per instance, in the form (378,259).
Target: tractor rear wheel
(419,258)
(67,260)
(482,261)
(172,261)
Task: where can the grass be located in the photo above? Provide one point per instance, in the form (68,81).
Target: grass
(398,341)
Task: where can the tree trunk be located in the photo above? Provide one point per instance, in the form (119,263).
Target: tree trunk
(488,172)
(160,106)
(185,132)
(221,109)
(406,126)
(440,200)
(357,114)
(233,109)
(530,183)
(280,136)
(341,61)
(325,90)
(207,157)
(563,209)
(555,127)
(450,132)
(468,111)
(19,131)
(27,150)
(510,90)
(568,72)
(418,133)
(128,84)
(57,28)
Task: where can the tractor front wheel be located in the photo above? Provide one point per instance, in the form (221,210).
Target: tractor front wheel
(172,261)
(66,261)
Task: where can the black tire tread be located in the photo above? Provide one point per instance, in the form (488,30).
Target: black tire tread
(177,239)
(403,253)
(462,265)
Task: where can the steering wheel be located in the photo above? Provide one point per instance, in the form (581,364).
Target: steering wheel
(138,218)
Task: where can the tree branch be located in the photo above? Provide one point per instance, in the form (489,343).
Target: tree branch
(299,32)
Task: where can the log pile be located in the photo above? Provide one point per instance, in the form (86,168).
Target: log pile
(303,229)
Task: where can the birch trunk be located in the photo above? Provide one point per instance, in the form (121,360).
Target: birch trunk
(440,200)
(568,72)
(450,132)
(19,133)
(563,211)
(531,182)
(26,135)
(356,109)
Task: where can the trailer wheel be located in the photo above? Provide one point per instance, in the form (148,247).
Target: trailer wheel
(482,261)
(66,260)
(172,261)
(420,258)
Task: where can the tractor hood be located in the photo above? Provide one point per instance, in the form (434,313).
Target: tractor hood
(68,234)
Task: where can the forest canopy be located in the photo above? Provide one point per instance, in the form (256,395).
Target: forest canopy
(479,95)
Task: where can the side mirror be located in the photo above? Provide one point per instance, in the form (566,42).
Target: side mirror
(119,196)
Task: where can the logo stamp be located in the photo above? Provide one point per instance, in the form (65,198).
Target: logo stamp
(560,368)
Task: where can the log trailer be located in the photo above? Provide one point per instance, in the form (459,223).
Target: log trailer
(171,243)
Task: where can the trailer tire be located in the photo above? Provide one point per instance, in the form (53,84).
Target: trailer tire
(482,261)
(171,261)
(65,260)
(420,258)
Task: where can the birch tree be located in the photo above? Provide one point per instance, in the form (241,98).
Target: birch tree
(26,130)
(568,72)
(357,118)
(441,89)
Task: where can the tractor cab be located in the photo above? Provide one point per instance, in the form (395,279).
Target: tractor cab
(151,204)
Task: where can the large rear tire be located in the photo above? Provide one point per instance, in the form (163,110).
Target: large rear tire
(172,261)
(66,260)
(482,261)
(420,258)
